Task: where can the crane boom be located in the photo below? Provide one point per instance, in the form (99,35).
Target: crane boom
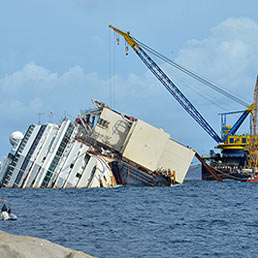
(238,122)
(168,84)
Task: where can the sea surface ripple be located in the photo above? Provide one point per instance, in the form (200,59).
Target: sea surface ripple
(196,219)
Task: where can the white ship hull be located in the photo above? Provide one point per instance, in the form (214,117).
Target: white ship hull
(83,154)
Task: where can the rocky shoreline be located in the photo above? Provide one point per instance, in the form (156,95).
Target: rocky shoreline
(15,246)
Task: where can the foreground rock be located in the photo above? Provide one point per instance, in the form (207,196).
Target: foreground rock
(13,246)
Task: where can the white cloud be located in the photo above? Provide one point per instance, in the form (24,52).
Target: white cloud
(34,87)
(228,56)
(75,72)
(31,73)
(17,107)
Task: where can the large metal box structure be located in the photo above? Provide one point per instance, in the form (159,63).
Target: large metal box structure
(152,148)
(145,144)
(176,157)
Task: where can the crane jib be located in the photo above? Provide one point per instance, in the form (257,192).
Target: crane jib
(178,95)
(169,85)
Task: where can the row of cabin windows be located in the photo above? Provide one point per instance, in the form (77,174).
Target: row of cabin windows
(26,138)
(29,154)
(231,140)
(58,155)
(11,168)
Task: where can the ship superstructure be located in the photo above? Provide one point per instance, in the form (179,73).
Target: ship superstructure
(102,148)
(49,156)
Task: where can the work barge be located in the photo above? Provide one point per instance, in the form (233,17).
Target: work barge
(101,148)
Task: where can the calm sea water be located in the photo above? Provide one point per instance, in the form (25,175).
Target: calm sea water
(196,219)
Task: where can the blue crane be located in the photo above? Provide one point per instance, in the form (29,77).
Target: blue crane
(176,93)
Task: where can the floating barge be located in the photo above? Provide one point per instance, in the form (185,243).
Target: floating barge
(102,148)
(227,171)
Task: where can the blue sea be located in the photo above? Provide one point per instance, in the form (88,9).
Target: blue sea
(196,219)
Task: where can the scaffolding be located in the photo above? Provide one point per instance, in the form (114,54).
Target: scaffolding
(253,145)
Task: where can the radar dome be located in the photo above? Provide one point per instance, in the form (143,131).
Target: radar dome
(16,137)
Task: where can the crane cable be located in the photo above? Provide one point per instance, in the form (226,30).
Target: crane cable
(190,73)
(112,69)
(197,91)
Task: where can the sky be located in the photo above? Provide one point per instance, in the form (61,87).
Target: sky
(57,55)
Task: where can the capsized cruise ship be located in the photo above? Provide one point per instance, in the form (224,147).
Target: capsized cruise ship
(102,148)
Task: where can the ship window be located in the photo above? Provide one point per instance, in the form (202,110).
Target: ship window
(243,140)
(86,159)
(103,123)
(231,140)
(78,175)
(93,171)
